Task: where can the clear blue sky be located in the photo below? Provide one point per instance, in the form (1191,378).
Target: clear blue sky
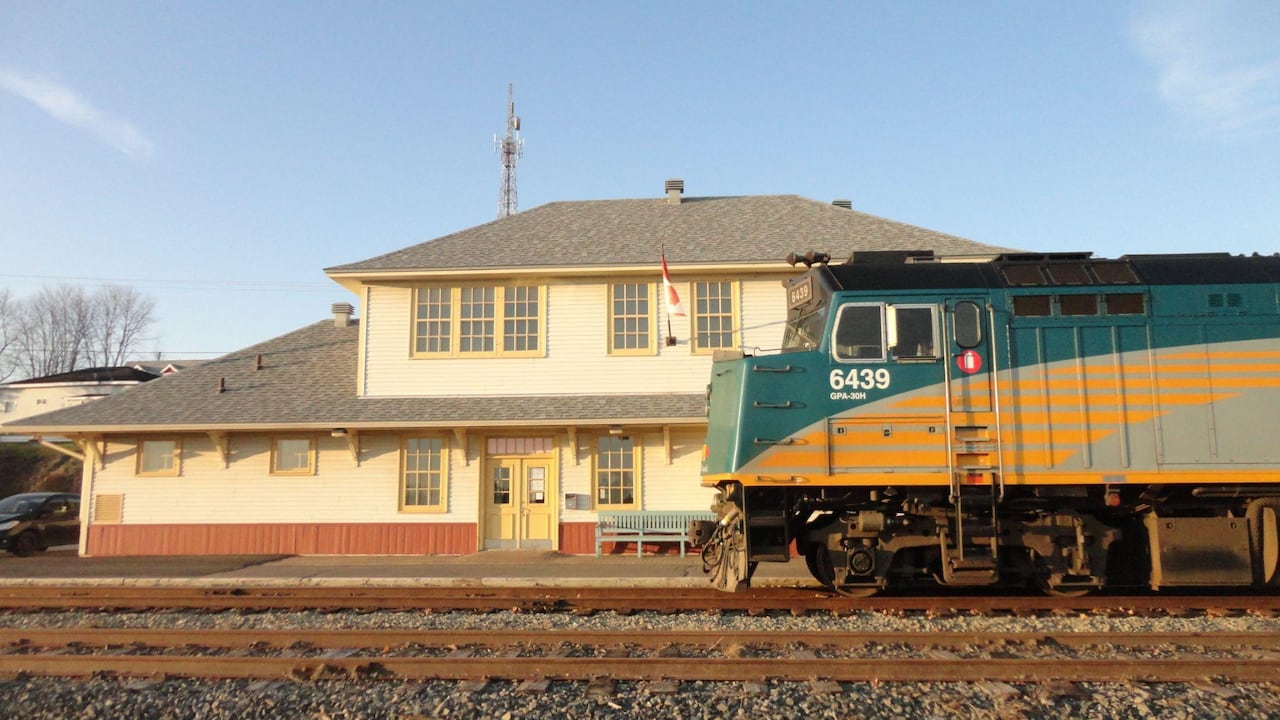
(219,155)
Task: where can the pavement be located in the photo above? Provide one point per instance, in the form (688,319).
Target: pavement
(491,568)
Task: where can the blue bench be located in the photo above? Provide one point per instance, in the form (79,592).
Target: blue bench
(642,526)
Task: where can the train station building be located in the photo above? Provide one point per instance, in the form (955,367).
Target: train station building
(497,387)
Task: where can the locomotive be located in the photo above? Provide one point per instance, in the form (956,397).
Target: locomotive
(1058,420)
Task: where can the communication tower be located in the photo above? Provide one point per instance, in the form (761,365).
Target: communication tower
(511,147)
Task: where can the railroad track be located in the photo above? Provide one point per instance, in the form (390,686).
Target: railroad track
(658,656)
(596,599)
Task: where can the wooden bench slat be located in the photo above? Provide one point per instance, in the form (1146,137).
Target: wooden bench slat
(642,526)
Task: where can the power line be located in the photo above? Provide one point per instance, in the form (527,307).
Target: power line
(186,284)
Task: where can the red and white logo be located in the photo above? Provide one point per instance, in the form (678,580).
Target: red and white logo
(969,362)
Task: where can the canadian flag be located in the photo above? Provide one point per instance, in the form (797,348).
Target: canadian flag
(674,306)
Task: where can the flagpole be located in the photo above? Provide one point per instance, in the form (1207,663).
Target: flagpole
(665,305)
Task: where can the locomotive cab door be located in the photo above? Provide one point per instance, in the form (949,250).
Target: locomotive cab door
(973,415)
(969,360)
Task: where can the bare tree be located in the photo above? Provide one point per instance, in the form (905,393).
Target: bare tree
(52,328)
(65,328)
(8,333)
(121,318)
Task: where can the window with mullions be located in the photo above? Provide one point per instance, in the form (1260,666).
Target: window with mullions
(293,456)
(617,472)
(630,319)
(713,315)
(475,319)
(423,474)
(520,319)
(478,320)
(433,326)
(158,457)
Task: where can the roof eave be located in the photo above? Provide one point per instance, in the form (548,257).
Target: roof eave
(72,430)
(375,275)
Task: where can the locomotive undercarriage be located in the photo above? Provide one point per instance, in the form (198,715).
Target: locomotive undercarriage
(1065,541)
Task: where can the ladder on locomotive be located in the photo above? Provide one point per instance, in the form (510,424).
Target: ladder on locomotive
(971,543)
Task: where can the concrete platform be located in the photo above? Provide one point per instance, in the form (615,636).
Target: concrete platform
(493,568)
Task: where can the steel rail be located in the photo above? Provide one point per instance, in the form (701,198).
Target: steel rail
(591,599)
(19,638)
(707,669)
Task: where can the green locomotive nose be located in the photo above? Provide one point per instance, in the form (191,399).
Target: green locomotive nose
(1051,418)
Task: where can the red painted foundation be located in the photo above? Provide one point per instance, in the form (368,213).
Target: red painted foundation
(285,539)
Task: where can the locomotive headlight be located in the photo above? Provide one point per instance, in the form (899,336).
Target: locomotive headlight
(861,561)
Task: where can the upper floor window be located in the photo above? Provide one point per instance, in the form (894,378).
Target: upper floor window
(423,474)
(479,320)
(631,319)
(293,456)
(158,457)
(715,311)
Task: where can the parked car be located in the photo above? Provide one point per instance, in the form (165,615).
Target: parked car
(38,521)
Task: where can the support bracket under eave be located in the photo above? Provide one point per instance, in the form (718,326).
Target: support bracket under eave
(353,444)
(666,442)
(460,437)
(58,448)
(222,443)
(573,444)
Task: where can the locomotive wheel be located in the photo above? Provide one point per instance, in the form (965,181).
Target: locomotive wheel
(818,558)
(1264,543)
(819,562)
(1062,591)
(857,591)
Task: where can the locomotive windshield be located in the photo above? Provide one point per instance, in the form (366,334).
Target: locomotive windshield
(804,328)
(808,298)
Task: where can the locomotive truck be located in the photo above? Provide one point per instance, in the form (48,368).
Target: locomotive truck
(1059,420)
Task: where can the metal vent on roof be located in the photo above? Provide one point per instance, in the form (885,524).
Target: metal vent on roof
(846,204)
(675,188)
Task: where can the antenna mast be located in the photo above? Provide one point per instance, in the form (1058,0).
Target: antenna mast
(511,146)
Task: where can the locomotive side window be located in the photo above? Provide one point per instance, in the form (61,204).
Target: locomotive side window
(913,331)
(1078,304)
(968,324)
(1032,306)
(1126,304)
(859,333)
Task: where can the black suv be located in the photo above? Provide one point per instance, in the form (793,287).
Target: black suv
(37,521)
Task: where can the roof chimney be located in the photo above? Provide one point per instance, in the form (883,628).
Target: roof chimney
(675,188)
(846,204)
(342,314)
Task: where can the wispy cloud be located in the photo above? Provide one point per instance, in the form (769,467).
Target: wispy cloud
(66,106)
(1218,63)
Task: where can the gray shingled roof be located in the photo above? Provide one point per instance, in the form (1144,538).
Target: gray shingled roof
(748,229)
(308,379)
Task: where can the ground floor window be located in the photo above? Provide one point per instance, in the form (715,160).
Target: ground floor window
(293,456)
(617,472)
(423,476)
(158,457)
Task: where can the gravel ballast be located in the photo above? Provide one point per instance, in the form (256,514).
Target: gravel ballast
(106,697)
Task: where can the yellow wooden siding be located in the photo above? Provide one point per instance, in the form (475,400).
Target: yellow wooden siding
(675,486)
(663,487)
(577,359)
(246,492)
